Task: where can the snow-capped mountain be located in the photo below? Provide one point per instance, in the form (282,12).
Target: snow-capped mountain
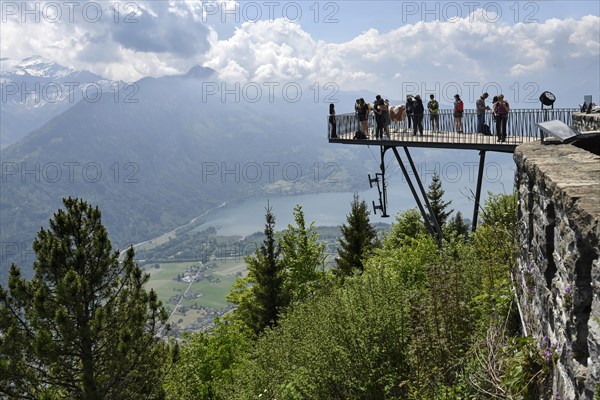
(36,89)
(38,66)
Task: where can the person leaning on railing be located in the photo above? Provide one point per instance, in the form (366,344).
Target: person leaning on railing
(481,108)
(501,110)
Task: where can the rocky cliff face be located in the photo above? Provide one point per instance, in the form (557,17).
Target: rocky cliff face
(558,277)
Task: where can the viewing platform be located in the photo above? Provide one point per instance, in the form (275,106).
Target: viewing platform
(521,128)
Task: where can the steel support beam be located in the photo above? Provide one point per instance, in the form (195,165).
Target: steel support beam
(414,193)
(478,190)
(383,196)
(433,218)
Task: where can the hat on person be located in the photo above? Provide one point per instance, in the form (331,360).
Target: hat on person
(456,96)
(418,97)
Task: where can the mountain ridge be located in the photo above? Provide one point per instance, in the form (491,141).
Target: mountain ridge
(155,163)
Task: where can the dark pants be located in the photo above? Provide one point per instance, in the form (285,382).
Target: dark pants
(409,117)
(333,126)
(501,127)
(480,122)
(418,125)
(378,126)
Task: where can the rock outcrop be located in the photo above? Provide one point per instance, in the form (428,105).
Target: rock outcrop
(558,277)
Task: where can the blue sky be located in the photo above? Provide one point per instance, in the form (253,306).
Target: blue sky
(390,47)
(357,16)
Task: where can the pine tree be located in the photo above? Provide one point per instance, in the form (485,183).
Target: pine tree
(358,240)
(458,225)
(435,196)
(259,305)
(302,257)
(84,327)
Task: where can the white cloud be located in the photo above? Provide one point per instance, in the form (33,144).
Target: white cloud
(170,37)
(447,56)
(117,39)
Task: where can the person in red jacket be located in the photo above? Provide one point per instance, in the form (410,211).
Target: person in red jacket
(458,113)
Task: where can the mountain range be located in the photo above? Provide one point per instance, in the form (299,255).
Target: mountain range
(156,153)
(36,89)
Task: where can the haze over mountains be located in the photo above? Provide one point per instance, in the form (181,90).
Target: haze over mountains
(157,155)
(36,89)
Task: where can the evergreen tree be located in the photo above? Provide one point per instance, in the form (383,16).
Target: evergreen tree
(438,205)
(458,225)
(302,257)
(84,327)
(259,305)
(409,225)
(358,240)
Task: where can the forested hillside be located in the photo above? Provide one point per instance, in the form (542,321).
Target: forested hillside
(421,322)
(156,160)
(400,316)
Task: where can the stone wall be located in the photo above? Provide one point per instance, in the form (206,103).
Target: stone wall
(586,122)
(558,277)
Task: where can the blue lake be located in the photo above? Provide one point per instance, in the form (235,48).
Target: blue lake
(459,180)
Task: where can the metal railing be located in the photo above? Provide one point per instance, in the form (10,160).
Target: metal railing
(520,126)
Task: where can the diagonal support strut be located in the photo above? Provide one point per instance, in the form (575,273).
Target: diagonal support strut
(434,229)
(478,190)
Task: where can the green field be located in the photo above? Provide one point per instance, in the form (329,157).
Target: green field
(202,296)
(208,294)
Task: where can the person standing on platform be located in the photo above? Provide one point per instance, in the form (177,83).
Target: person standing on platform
(501,110)
(494,101)
(363,115)
(385,117)
(418,110)
(481,108)
(332,121)
(378,110)
(458,113)
(409,109)
(434,113)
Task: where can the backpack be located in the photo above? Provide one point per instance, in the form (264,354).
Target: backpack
(486,130)
(433,106)
(459,105)
(360,135)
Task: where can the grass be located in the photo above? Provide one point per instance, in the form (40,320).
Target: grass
(211,294)
(184,321)
(208,294)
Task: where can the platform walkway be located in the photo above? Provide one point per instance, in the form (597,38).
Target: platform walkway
(521,128)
